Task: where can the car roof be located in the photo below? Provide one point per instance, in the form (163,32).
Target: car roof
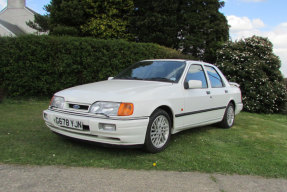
(165,60)
(182,60)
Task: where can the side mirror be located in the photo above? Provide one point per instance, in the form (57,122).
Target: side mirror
(110,78)
(193,84)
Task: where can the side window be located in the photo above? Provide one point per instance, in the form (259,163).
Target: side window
(215,79)
(196,72)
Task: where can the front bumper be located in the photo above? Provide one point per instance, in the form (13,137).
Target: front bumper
(128,131)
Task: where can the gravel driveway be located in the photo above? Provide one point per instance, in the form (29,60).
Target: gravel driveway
(54,178)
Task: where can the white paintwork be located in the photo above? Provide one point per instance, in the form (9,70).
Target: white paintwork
(128,132)
(146,97)
(194,84)
(234,84)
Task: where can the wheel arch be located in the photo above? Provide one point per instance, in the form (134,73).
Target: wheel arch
(169,112)
(233,102)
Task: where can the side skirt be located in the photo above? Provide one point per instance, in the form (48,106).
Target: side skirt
(176,130)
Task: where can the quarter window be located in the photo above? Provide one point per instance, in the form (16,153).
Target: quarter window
(215,79)
(196,72)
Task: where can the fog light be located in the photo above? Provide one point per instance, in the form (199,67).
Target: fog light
(107,127)
(45,116)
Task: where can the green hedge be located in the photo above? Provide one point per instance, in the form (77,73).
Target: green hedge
(42,65)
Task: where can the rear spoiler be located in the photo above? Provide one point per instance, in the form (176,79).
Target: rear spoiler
(234,84)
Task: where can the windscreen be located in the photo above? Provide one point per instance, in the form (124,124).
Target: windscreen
(166,71)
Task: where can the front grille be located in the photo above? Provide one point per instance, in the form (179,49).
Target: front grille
(78,107)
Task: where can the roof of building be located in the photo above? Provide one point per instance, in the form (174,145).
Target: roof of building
(13,28)
(34,12)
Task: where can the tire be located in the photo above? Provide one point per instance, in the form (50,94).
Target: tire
(158,132)
(229,117)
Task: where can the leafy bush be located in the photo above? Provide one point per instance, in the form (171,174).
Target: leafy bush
(64,30)
(42,65)
(252,63)
(285,109)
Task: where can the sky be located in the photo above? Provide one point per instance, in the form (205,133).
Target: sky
(266,18)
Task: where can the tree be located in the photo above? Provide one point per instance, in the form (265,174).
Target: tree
(67,15)
(41,23)
(156,21)
(64,18)
(203,29)
(99,18)
(194,26)
(252,63)
(107,19)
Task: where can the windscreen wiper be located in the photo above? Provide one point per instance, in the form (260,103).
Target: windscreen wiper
(160,79)
(130,78)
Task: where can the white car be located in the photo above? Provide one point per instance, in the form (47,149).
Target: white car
(145,104)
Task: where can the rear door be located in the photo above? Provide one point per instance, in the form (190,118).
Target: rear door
(218,92)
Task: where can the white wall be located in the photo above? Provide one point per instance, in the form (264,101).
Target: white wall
(16,3)
(5,32)
(18,17)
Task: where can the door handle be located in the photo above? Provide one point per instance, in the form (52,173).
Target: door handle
(207,92)
(226,91)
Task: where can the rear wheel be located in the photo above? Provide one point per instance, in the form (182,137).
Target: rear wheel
(158,131)
(229,116)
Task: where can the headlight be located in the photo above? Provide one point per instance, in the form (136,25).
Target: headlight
(57,102)
(112,109)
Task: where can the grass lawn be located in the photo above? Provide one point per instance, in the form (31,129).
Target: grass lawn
(256,145)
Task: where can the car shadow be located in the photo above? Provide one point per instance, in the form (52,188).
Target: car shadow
(100,146)
(134,149)
(198,130)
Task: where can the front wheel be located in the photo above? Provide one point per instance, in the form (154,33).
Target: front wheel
(158,132)
(229,116)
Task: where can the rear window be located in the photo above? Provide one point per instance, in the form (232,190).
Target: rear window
(214,77)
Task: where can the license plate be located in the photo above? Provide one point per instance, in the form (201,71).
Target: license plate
(64,122)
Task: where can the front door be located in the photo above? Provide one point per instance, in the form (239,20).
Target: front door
(197,101)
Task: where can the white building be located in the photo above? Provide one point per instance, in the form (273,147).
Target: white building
(13,18)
